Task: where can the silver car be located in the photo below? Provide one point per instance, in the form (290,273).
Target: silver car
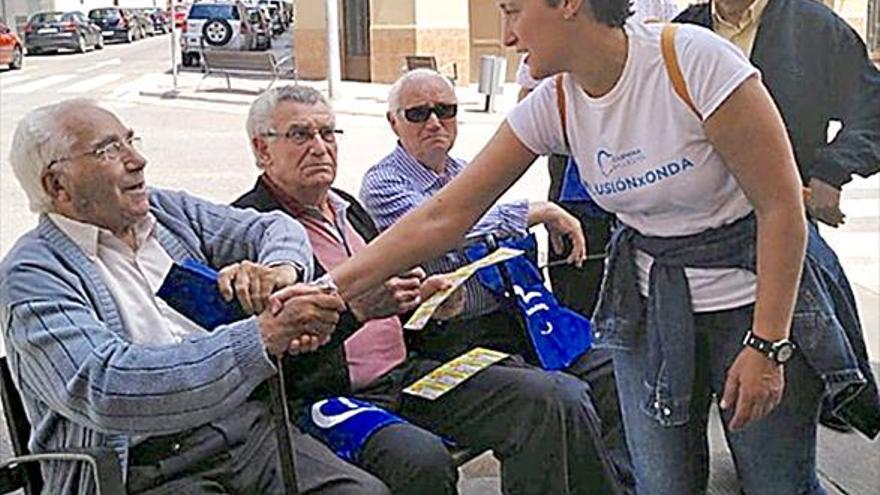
(216,25)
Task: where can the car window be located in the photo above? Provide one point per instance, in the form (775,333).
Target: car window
(102,13)
(68,17)
(45,17)
(208,11)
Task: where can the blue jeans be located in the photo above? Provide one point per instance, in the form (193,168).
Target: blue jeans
(774,456)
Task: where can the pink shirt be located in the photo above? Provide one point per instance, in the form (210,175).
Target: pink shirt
(377,347)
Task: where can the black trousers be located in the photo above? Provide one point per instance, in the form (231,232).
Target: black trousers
(541,426)
(238,454)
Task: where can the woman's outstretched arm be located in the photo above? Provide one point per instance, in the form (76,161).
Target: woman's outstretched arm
(440,223)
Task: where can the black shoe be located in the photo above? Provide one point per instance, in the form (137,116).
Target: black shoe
(833,422)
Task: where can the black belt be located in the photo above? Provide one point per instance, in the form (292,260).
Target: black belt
(155,449)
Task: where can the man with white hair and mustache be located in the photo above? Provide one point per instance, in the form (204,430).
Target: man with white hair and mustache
(101,361)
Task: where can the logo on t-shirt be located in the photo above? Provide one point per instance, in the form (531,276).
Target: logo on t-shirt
(642,179)
(609,162)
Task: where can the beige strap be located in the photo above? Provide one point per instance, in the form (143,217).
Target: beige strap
(667,45)
(560,105)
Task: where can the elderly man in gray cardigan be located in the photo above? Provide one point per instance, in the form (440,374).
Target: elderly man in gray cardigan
(100,360)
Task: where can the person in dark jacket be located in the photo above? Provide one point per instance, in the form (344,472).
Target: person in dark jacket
(817,70)
(542,426)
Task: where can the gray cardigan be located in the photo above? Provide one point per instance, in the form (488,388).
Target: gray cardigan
(83,383)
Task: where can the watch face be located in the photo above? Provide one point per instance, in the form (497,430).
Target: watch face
(784,352)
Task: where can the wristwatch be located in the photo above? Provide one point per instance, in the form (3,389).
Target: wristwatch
(778,351)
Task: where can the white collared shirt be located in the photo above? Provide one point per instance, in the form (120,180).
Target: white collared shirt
(133,277)
(744,32)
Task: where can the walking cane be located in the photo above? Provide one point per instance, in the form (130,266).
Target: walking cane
(285,437)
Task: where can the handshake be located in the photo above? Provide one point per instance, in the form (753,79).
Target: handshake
(301,317)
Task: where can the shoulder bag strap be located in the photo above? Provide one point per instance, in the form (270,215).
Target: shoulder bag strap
(670,58)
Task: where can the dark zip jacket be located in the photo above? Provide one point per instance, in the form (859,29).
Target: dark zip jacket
(817,69)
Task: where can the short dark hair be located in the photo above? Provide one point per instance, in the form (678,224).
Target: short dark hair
(612,13)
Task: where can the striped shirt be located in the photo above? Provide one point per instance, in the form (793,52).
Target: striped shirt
(84,383)
(399,183)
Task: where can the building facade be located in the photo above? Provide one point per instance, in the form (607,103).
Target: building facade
(376,35)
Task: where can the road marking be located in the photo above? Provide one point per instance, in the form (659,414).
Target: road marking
(105,63)
(40,84)
(132,87)
(91,83)
(9,80)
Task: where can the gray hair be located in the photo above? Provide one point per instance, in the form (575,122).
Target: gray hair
(41,137)
(414,76)
(261,109)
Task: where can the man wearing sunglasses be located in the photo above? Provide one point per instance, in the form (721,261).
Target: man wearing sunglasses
(538,424)
(422,109)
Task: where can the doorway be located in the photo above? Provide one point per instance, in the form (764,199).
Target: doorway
(356,40)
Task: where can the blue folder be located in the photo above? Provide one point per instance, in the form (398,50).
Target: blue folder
(191,289)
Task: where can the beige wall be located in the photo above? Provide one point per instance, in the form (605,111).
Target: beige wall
(442,14)
(310,39)
(393,12)
(486,37)
(397,28)
(418,27)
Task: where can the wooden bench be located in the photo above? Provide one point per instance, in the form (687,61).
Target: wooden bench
(228,62)
(430,62)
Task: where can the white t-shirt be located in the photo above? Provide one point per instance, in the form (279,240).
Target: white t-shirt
(643,153)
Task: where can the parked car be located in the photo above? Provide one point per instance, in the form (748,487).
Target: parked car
(180,11)
(215,24)
(115,23)
(262,27)
(51,31)
(11,48)
(285,10)
(161,24)
(145,22)
(274,18)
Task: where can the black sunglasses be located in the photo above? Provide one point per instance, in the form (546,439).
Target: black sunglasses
(421,113)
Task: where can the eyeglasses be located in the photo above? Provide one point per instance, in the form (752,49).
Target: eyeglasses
(421,113)
(107,153)
(302,135)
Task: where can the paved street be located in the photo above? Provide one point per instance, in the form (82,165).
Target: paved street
(196,141)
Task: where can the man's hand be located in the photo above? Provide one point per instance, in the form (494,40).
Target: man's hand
(397,295)
(453,305)
(560,225)
(303,323)
(754,387)
(823,203)
(253,283)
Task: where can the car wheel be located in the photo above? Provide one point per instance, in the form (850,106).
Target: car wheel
(81,44)
(17,58)
(217,32)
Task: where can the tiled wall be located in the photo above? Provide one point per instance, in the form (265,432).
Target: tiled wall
(390,46)
(448,45)
(310,48)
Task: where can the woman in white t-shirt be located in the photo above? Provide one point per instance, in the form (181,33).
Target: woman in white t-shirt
(704,180)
